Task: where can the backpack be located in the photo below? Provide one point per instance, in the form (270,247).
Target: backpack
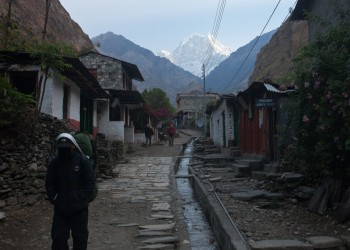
(87,147)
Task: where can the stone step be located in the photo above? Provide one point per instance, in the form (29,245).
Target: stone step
(272,168)
(236,153)
(325,242)
(252,163)
(258,175)
(241,170)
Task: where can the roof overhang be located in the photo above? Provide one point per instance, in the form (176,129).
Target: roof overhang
(132,70)
(256,87)
(83,78)
(78,73)
(128,97)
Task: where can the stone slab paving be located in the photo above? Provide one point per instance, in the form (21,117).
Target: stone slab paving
(280,244)
(146,181)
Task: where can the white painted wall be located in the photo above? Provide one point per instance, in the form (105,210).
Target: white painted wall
(129,134)
(113,130)
(53,99)
(74,103)
(216,124)
(95,114)
(48,101)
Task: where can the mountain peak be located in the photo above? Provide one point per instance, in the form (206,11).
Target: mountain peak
(192,59)
(218,47)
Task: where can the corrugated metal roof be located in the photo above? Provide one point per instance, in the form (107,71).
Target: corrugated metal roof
(271,88)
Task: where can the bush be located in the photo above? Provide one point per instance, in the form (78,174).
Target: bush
(320,111)
(17,110)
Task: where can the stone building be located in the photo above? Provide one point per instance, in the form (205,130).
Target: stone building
(115,76)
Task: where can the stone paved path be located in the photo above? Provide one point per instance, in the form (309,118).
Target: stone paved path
(140,209)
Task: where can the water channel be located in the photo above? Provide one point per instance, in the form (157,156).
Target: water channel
(199,230)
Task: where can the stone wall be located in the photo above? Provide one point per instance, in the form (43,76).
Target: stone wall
(108,154)
(109,70)
(23,161)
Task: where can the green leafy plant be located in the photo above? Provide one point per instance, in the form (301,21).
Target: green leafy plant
(16,109)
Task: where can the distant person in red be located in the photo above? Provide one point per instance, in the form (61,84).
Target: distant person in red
(171,133)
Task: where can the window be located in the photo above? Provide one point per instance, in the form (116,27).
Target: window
(25,81)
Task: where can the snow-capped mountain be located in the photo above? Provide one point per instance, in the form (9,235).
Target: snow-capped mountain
(197,50)
(166,54)
(158,72)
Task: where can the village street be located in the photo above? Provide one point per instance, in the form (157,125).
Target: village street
(139,206)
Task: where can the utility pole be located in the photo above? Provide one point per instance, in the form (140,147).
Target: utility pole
(204,101)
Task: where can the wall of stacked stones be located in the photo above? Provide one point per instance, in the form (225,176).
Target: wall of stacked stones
(24,159)
(109,70)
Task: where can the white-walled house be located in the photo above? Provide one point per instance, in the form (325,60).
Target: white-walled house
(70,94)
(224,122)
(115,76)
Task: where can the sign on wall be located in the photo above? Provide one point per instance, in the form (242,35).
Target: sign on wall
(265,103)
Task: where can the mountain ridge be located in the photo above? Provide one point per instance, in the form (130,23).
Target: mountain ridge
(232,74)
(158,72)
(28,16)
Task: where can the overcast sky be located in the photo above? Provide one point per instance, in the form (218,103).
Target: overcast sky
(162,24)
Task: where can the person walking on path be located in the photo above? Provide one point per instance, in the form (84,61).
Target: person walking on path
(70,182)
(148,134)
(171,133)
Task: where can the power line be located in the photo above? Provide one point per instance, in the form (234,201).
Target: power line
(239,69)
(285,19)
(215,30)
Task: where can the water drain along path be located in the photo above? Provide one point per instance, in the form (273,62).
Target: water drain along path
(201,236)
(226,232)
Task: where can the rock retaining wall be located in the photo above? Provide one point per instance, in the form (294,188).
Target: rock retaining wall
(24,158)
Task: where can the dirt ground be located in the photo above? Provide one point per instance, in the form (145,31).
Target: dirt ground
(258,220)
(29,228)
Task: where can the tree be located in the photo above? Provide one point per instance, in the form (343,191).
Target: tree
(47,11)
(157,104)
(51,56)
